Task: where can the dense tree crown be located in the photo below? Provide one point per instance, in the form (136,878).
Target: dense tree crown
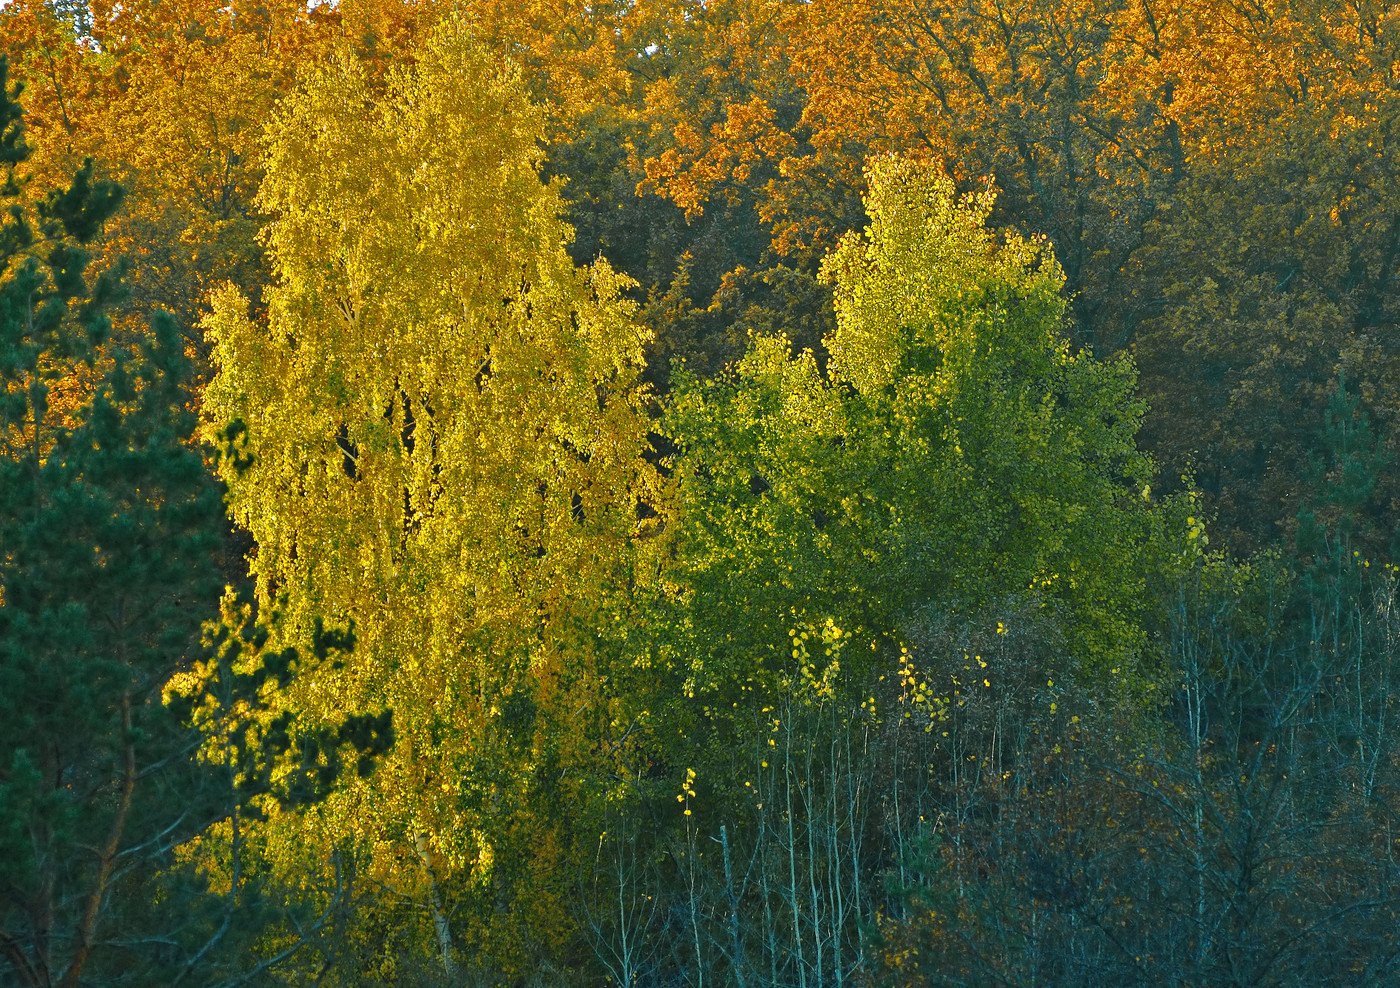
(743,492)
(953,459)
(434,438)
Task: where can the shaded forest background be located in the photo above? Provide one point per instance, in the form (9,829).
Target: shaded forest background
(664,493)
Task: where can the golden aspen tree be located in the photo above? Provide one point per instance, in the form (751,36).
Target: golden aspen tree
(436,442)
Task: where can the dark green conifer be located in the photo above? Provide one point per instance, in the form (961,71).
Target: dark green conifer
(107,523)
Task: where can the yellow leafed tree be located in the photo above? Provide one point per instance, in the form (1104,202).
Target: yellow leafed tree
(436,441)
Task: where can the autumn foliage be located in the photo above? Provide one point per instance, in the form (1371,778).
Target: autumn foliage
(744,492)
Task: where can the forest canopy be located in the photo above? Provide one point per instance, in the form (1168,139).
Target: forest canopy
(668,492)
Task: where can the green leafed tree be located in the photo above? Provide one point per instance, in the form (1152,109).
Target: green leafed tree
(108,522)
(887,579)
(433,433)
(956,463)
(1017,468)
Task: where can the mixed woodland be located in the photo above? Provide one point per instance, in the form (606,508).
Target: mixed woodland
(699,492)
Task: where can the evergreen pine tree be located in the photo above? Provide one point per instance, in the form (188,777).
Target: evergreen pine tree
(107,523)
